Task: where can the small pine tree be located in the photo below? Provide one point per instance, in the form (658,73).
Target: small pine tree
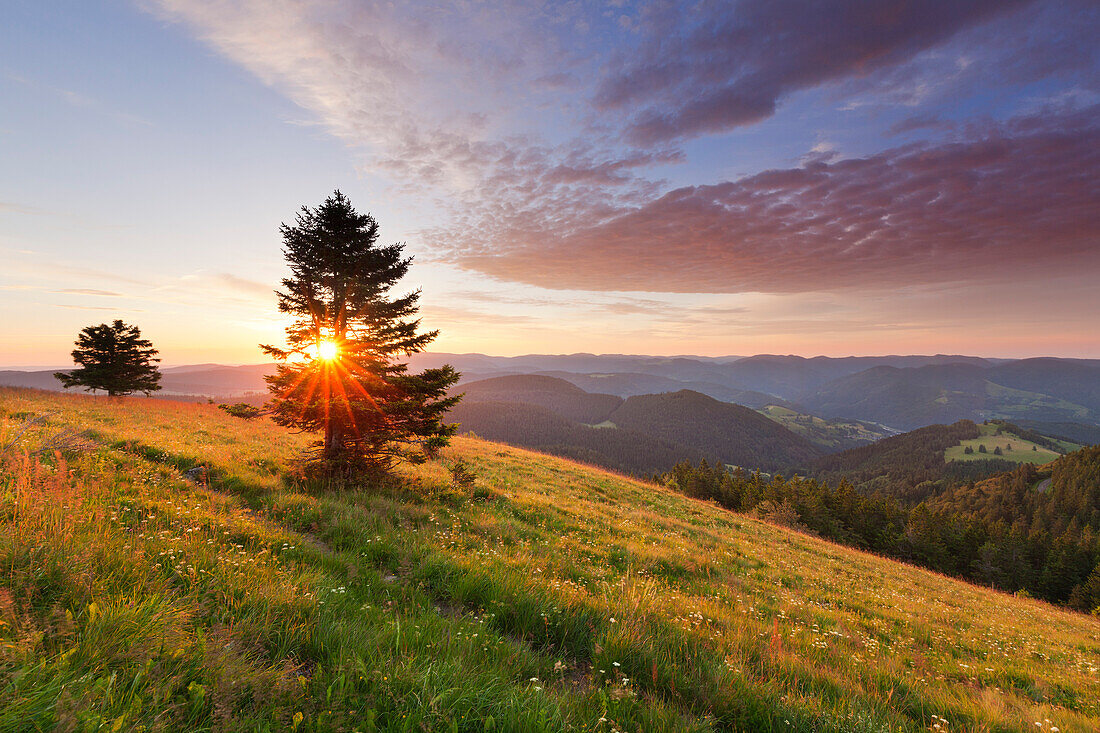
(997,451)
(115,359)
(1035,447)
(968,450)
(981,448)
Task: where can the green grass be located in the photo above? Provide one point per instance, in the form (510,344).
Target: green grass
(545,595)
(1013,448)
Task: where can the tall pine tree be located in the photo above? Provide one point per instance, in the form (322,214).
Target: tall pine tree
(115,359)
(341,374)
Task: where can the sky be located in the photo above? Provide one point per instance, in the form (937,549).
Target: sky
(732,177)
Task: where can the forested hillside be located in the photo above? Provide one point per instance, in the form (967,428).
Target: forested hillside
(642,435)
(731,433)
(556,395)
(831,435)
(1053,390)
(532,426)
(1031,529)
(899,464)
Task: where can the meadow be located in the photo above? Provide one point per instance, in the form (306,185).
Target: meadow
(491,589)
(1013,448)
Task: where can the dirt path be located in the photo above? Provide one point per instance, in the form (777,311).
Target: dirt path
(1043,486)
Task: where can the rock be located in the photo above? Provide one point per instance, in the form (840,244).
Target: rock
(196,474)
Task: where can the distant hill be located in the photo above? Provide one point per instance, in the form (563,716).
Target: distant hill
(900,392)
(831,435)
(631,384)
(731,433)
(793,377)
(557,395)
(533,426)
(644,434)
(898,464)
(206,380)
(1074,381)
(911,397)
(922,462)
(1080,433)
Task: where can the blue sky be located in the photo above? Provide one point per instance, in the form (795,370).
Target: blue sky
(724,178)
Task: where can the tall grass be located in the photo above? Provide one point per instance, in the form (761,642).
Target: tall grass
(535,594)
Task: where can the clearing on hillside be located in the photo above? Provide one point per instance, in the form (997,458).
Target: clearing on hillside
(835,434)
(493,589)
(1013,447)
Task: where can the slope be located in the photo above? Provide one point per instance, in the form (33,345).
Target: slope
(543,595)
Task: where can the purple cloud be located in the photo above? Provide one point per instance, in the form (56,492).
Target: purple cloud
(543,149)
(729,65)
(1017,197)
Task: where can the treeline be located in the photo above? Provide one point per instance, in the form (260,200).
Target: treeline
(1013,532)
(896,464)
(1034,437)
(911,468)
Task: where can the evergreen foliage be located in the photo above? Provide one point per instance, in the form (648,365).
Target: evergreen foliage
(115,359)
(363,399)
(901,465)
(1001,532)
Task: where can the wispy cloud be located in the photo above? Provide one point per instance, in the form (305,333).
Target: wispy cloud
(724,67)
(98,308)
(972,209)
(543,131)
(88,291)
(79,99)
(7,206)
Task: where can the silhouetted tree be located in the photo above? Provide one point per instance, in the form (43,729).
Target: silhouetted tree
(341,372)
(115,359)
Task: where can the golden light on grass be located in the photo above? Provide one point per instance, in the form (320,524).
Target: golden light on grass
(663,595)
(327,350)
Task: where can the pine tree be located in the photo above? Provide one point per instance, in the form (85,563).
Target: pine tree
(341,373)
(115,359)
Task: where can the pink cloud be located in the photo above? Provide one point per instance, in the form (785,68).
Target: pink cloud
(1017,198)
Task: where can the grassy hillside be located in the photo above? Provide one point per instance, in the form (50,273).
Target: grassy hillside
(543,596)
(1013,447)
(899,463)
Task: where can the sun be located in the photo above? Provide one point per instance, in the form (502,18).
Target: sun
(328,350)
